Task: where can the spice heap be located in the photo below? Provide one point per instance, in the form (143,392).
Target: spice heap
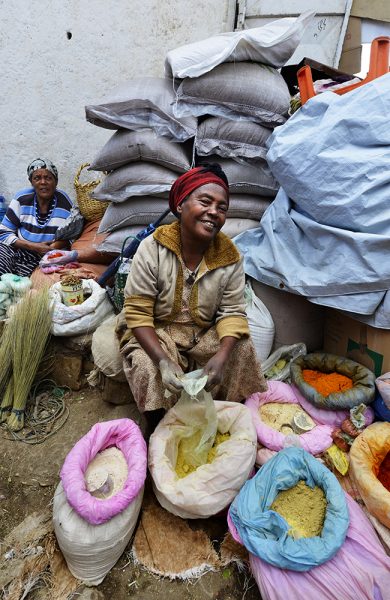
(70,280)
(281,416)
(384,472)
(107,473)
(303,508)
(327,383)
(182,468)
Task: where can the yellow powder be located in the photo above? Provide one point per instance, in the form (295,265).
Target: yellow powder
(182,468)
(280,416)
(303,508)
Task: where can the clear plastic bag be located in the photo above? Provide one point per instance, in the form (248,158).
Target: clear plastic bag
(196,410)
(274,368)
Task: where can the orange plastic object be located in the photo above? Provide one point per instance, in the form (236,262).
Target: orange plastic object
(379,65)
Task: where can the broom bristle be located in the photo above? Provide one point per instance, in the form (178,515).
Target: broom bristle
(32,329)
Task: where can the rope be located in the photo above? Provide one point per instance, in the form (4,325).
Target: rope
(46,412)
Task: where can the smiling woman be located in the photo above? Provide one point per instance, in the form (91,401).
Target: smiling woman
(184,301)
(28,229)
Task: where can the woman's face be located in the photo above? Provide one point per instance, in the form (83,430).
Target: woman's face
(44,183)
(203,213)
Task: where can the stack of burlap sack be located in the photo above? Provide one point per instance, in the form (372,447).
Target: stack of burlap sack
(219,102)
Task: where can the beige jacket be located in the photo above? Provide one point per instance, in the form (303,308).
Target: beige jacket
(154,288)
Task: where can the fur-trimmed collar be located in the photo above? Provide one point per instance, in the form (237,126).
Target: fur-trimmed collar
(221,252)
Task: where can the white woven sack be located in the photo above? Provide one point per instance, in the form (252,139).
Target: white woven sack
(230,139)
(261,325)
(273,44)
(134,179)
(82,318)
(238,91)
(139,103)
(234,226)
(91,551)
(212,487)
(143,145)
(106,352)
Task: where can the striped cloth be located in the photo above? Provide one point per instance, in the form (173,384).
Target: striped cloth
(23,220)
(17,261)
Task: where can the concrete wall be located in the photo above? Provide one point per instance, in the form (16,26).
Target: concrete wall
(58,56)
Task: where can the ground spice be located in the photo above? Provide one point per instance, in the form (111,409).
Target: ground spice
(327,383)
(280,416)
(303,508)
(384,472)
(183,469)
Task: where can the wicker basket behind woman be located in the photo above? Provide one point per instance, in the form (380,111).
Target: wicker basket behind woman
(92,210)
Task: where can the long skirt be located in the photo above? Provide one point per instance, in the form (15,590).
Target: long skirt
(17,261)
(242,373)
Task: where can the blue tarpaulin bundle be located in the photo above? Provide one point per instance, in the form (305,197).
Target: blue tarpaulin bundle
(327,233)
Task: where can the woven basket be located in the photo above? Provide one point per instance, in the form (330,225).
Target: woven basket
(92,210)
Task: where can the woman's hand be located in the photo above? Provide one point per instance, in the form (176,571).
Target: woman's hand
(214,370)
(215,366)
(38,247)
(170,375)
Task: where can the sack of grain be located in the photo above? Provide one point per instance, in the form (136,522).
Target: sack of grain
(268,535)
(212,486)
(244,177)
(135,179)
(97,503)
(146,146)
(242,91)
(142,102)
(105,350)
(227,138)
(273,44)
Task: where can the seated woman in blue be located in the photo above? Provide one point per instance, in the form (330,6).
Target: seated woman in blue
(28,229)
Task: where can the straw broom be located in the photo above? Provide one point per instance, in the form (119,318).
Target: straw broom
(32,329)
(6,392)
(8,397)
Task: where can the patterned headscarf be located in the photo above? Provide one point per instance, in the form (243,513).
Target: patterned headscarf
(41,163)
(193,179)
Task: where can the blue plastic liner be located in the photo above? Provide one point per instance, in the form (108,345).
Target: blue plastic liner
(264,532)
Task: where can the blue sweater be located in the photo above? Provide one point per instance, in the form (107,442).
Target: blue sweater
(22,219)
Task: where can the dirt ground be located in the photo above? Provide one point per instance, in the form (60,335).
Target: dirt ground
(29,475)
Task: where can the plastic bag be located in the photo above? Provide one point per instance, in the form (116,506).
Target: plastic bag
(195,409)
(261,325)
(315,441)
(367,452)
(277,366)
(81,318)
(383,385)
(212,486)
(360,570)
(265,533)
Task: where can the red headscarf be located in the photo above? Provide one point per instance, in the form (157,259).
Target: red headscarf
(190,181)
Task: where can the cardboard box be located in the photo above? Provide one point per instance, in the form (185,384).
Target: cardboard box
(353,34)
(374,9)
(360,342)
(350,61)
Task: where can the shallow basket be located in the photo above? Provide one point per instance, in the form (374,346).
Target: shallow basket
(92,210)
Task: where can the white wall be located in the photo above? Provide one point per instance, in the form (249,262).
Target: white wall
(47,79)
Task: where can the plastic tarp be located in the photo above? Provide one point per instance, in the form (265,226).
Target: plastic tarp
(327,232)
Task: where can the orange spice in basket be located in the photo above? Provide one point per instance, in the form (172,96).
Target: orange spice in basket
(327,383)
